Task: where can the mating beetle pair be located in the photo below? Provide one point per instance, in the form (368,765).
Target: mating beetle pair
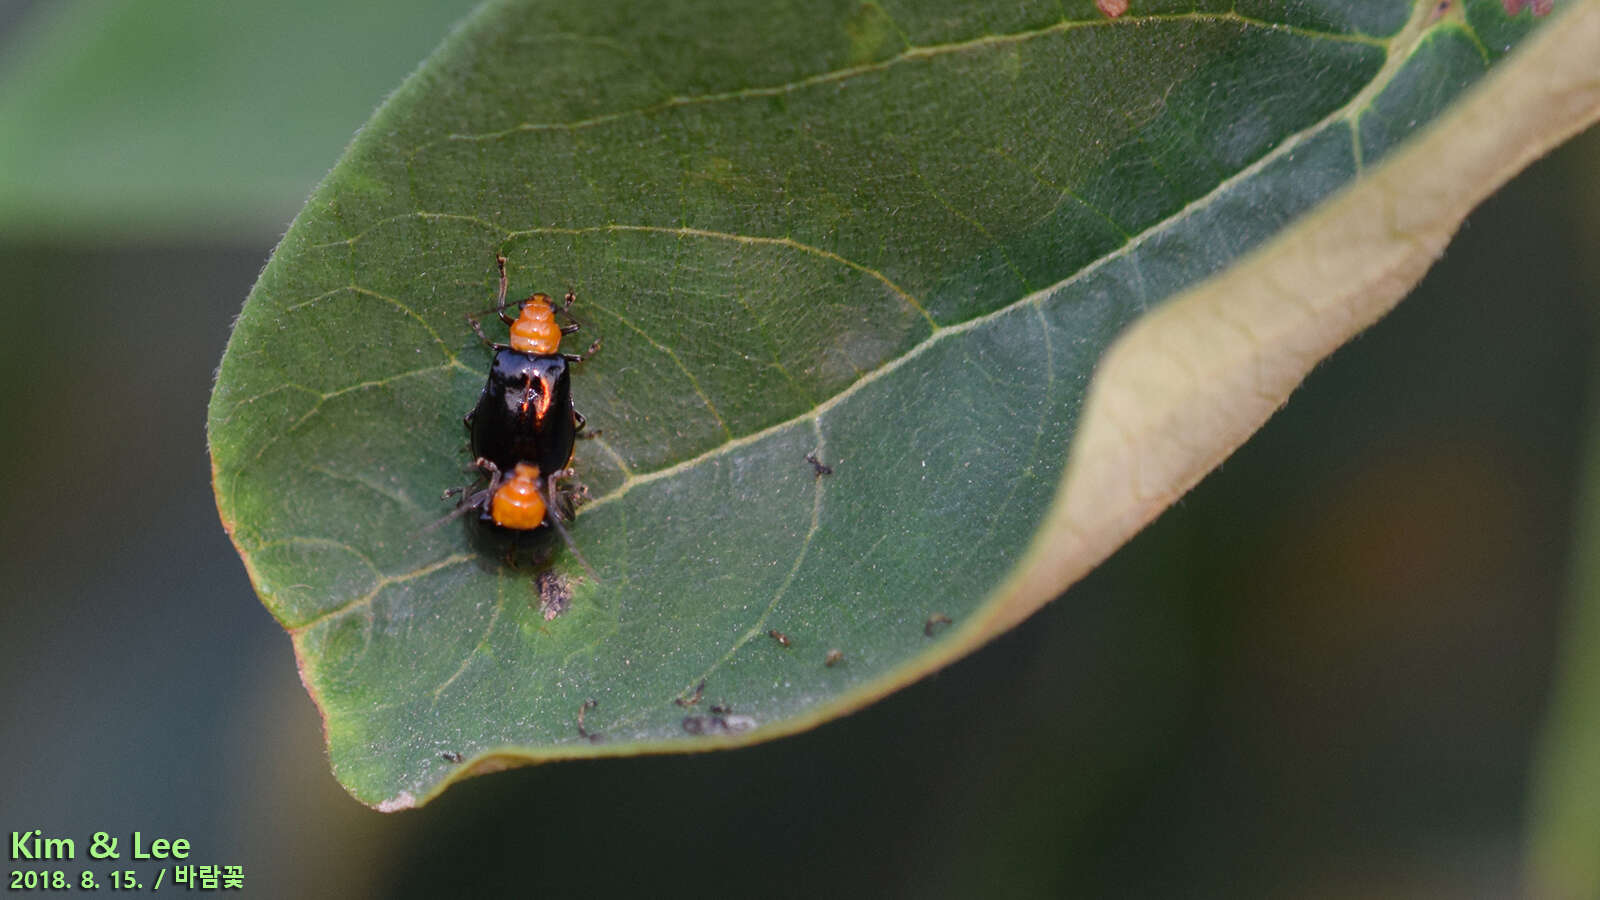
(524,426)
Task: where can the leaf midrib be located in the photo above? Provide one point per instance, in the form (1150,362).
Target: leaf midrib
(1410,35)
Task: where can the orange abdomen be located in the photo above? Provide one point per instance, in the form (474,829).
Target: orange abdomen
(518,504)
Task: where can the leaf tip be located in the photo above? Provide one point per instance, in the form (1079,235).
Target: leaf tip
(403,800)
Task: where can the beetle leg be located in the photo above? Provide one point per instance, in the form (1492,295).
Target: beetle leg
(573,322)
(553,484)
(578,423)
(468,503)
(473,321)
(554,520)
(572,496)
(578,496)
(577,357)
(500,298)
(500,303)
(491,471)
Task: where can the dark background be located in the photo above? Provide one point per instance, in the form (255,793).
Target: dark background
(1322,674)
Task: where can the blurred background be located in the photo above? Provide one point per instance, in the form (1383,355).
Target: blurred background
(1323,674)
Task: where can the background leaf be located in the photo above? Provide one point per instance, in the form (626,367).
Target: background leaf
(901,239)
(139,118)
(1563,821)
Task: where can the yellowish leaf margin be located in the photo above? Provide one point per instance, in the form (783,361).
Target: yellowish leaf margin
(1187,384)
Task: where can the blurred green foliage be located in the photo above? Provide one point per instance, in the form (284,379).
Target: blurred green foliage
(191,118)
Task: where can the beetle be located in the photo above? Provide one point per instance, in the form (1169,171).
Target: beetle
(523,427)
(518,502)
(525,413)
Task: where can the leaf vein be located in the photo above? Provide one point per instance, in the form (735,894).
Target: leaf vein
(384,581)
(488,631)
(757,628)
(911,54)
(1408,35)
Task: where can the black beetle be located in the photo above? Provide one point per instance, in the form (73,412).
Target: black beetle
(525,413)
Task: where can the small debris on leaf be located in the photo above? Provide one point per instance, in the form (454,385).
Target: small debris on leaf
(818,468)
(699,689)
(934,620)
(717,724)
(589,704)
(555,595)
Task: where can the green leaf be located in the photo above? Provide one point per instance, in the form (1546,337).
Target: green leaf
(901,239)
(190,116)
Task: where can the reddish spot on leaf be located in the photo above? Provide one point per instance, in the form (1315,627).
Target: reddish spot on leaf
(1114,8)
(1538,7)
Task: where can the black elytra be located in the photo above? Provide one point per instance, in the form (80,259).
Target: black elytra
(525,412)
